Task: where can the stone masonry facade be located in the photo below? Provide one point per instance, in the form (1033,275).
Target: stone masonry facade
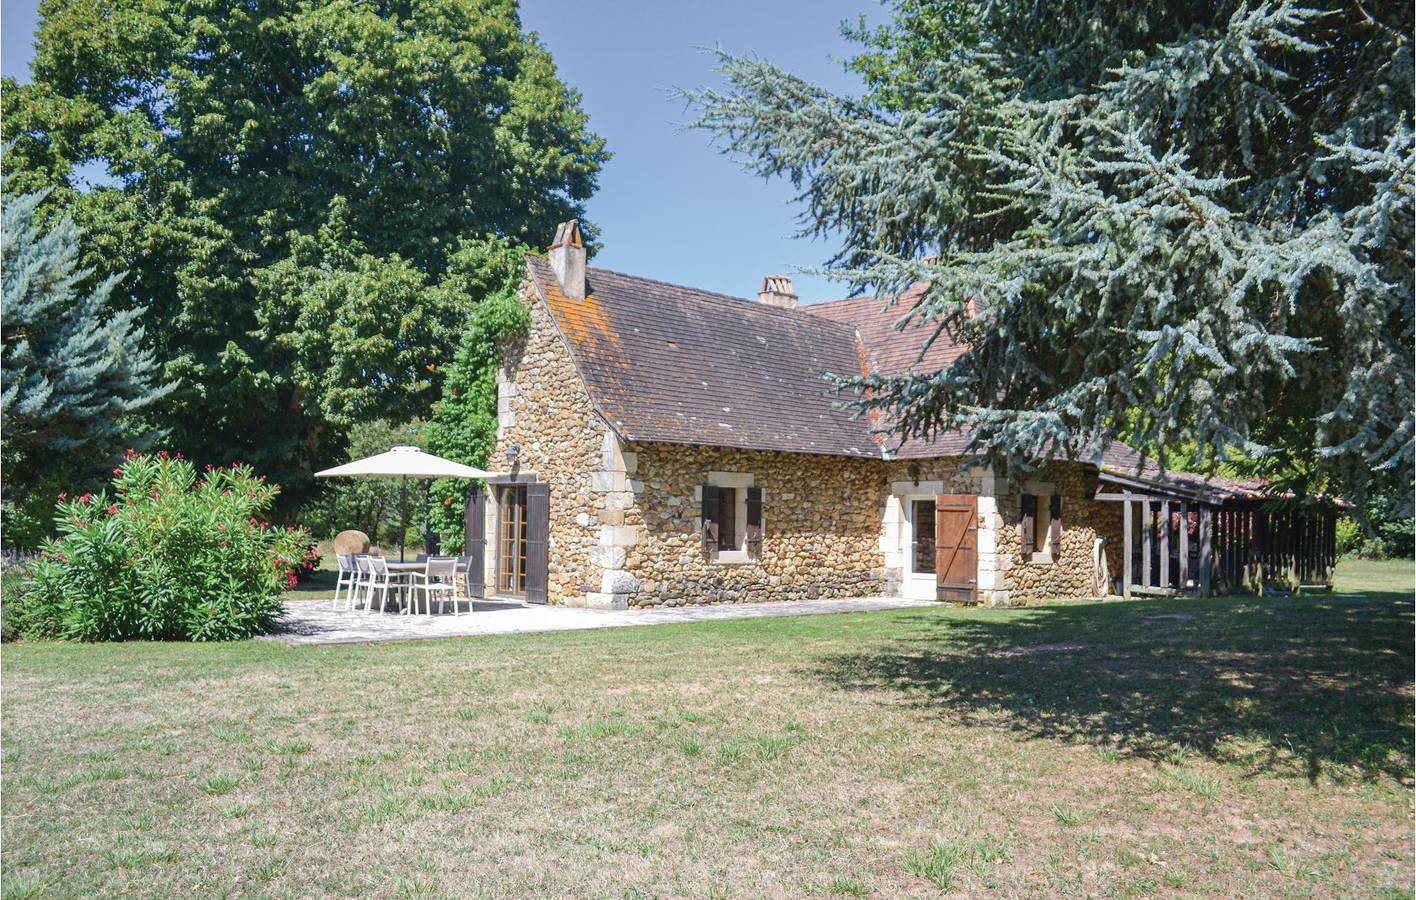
(625,520)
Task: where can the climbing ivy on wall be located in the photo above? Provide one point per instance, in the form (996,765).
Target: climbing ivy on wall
(463,426)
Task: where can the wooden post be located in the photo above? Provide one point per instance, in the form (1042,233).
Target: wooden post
(1165,543)
(1184,545)
(1206,553)
(1146,542)
(1127,542)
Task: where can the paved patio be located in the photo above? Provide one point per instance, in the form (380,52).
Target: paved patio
(313,622)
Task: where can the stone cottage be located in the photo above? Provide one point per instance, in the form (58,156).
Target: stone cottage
(669,445)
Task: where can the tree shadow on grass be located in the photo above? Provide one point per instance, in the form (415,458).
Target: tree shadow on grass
(1284,686)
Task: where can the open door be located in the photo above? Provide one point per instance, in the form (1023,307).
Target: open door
(474,541)
(956,547)
(538,527)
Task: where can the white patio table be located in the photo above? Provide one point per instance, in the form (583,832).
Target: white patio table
(404,570)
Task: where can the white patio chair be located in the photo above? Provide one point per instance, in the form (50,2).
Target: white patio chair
(436,581)
(348,578)
(362,573)
(379,580)
(460,575)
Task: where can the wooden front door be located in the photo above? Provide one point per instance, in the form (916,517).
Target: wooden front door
(956,547)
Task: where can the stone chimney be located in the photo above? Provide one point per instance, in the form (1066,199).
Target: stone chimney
(777,291)
(567,255)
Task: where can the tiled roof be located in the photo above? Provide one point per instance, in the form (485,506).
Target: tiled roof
(892,349)
(675,364)
(680,365)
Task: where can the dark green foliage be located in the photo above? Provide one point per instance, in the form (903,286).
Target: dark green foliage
(285,181)
(75,373)
(1157,222)
(171,556)
(463,426)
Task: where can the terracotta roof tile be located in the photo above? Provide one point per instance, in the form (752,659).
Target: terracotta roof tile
(893,350)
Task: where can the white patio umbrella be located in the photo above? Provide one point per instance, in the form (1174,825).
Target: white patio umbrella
(405,463)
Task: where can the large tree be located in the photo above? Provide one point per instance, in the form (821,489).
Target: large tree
(74,376)
(1174,223)
(285,181)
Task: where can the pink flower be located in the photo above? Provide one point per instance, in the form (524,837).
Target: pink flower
(117,471)
(130,454)
(291,579)
(221,526)
(113,509)
(209,467)
(162,453)
(85,498)
(63,495)
(179,454)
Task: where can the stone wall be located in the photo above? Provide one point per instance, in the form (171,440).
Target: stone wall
(821,520)
(544,410)
(1070,571)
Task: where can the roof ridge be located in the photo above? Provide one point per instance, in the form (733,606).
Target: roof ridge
(716,295)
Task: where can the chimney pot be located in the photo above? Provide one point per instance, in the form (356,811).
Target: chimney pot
(567,256)
(777,291)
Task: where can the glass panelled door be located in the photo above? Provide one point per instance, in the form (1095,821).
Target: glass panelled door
(922,537)
(921,556)
(511,540)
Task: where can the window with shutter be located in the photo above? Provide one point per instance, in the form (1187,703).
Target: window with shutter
(727,519)
(1027,523)
(1054,526)
(1040,523)
(732,518)
(754,523)
(710,515)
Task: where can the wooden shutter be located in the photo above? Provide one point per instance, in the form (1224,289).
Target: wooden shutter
(1054,527)
(710,519)
(474,540)
(754,523)
(538,531)
(956,547)
(1027,522)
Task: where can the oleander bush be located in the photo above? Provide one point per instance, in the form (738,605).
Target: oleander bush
(171,554)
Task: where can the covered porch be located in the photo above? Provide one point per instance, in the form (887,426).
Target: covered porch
(1190,535)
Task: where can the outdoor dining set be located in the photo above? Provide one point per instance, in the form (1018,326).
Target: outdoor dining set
(365,577)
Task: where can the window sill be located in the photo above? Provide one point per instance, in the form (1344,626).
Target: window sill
(733,558)
(1041,559)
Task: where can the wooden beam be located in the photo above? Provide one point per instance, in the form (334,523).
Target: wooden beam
(1146,543)
(1164,545)
(1206,553)
(1126,542)
(1184,546)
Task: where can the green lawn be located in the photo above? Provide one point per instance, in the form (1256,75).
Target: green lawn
(1202,747)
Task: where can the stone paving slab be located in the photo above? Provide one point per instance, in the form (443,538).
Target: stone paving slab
(314,622)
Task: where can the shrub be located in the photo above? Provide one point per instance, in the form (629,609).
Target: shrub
(170,556)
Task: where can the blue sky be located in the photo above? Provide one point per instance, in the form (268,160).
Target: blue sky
(669,206)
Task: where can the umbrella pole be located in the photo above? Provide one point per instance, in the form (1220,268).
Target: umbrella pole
(403,531)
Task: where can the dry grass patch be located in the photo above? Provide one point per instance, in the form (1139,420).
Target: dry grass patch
(1247,748)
